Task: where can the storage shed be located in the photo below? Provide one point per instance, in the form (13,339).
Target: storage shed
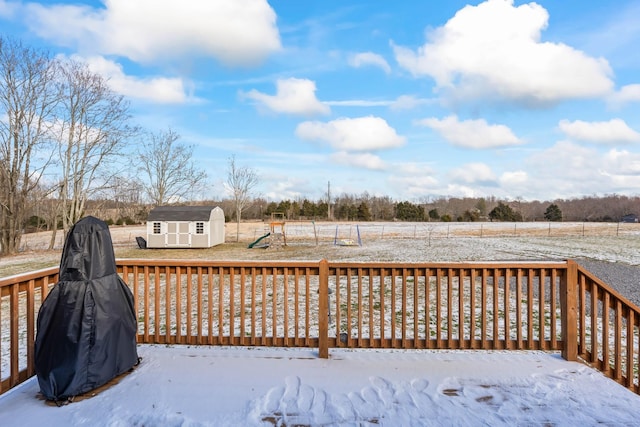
(185,227)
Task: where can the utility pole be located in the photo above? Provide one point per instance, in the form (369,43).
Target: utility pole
(329,200)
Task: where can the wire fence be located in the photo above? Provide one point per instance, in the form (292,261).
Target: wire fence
(329,231)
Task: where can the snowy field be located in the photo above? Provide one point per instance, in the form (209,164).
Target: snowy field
(409,242)
(442,242)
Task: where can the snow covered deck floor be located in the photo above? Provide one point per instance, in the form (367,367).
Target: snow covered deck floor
(222,386)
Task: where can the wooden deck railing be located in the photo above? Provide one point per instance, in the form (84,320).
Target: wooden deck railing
(20,299)
(608,331)
(553,306)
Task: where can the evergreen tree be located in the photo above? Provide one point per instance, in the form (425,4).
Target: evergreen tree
(363,212)
(503,212)
(553,213)
(308,209)
(470,216)
(406,211)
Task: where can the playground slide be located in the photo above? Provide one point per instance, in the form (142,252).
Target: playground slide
(253,244)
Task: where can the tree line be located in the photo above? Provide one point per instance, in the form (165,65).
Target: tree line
(364,207)
(373,208)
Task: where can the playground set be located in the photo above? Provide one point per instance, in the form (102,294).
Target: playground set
(274,236)
(348,241)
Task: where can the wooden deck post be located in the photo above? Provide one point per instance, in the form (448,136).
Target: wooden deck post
(323,310)
(568,307)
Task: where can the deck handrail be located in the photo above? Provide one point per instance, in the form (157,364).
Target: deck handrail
(475,305)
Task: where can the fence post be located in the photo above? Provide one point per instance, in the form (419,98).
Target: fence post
(568,307)
(323,310)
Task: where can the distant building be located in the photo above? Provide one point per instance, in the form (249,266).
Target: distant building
(185,227)
(630,218)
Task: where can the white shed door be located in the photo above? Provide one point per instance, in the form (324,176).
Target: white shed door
(178,234)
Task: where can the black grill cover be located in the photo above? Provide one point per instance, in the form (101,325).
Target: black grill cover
(87,324)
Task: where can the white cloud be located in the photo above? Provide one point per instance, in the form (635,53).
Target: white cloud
(157,89)
(473,173)
(460,191)
(565,160)
(518,183)
(347,134)
(369,58)
(409,102)
(284,187)
(413,168)
(293,96)
(359,103)
(413,179)
(612,131)
(361,160)
(236,32)
(623,162)
(494,50)
(8,9)
(476,134)
(570,169)
(414,186)
(403,102)
(513,178)
(626,94)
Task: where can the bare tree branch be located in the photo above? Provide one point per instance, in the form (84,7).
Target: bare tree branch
(168,168)
(241,181)
(28,99)
(93,125)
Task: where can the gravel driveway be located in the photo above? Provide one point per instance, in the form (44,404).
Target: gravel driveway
(623,278)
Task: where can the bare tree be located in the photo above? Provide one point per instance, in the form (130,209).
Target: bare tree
(121,200)
(126,193)
(28,98)
(47,208)
(168,168)
(93,124)
(241,180)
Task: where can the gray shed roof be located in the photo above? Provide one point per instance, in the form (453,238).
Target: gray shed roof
(180,213)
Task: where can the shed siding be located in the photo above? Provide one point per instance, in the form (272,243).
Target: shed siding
(185,227)
(200,241)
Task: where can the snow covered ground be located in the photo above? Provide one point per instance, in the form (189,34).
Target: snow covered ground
(222,386)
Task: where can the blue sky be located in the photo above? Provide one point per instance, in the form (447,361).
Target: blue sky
(410,99)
